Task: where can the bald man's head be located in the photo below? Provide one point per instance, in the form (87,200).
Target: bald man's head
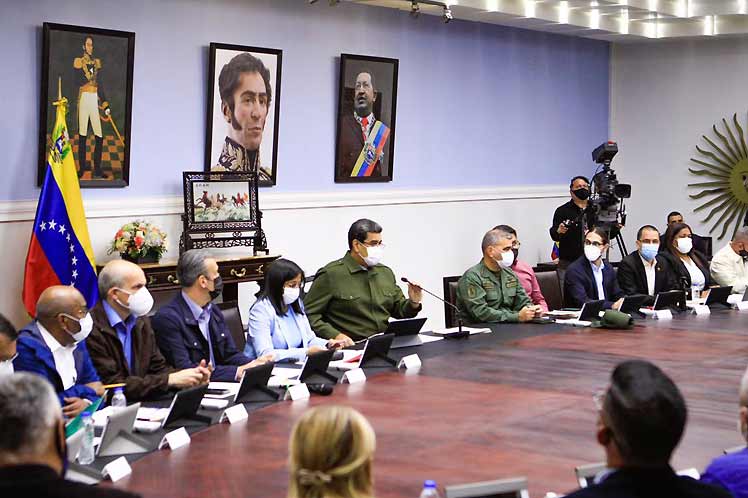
(59,299)
(119,274)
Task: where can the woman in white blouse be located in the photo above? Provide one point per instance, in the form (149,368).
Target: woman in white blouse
(689,266)
(277,322)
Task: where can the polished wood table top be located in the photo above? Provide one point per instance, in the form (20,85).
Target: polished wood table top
(517,402)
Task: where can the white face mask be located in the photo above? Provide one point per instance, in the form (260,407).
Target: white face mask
(685,245)
(506,260)
(290,294)
(374,255)
(86,324)
(140,302)
(592,253)
(6,367)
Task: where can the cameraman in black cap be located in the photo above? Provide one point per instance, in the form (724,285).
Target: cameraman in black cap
(571,221)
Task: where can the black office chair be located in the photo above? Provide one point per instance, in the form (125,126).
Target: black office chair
(234,323)
(449,287)
(550,286)
(504,488)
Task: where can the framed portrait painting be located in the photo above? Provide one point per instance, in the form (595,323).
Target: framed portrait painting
(92,68)
(367,103)
(243,110)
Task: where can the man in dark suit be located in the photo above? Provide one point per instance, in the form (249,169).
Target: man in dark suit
(122,344)
(644,271)
(33,455)
(591,278)
(641,418)
(54,347)
(356,126)
(190,330)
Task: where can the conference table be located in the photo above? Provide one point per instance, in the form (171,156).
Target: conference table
(513,402)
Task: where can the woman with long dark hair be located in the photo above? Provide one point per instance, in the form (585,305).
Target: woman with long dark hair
(690,267)
(277,322)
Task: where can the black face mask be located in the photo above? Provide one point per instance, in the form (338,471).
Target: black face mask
(217,287)
(582,193)
(516,255)
(744,254)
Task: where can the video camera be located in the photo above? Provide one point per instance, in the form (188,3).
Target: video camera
(607,194)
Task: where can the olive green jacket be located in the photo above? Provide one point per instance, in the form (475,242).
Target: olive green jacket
(485,296)
(358,302)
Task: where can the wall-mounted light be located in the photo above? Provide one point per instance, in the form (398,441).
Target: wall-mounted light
(529,8)
(563,12)
(623,22)
(415,9)
(447,15)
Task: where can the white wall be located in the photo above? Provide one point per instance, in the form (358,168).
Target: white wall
(429,233)
(664,97)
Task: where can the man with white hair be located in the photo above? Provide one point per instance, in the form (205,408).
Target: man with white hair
(33,455)
(122,343)
(731,471)
(730,265)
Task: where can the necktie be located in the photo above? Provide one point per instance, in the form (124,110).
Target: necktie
(365,127)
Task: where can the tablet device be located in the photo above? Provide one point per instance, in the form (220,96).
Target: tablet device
(406,332)
(254,385)
(674,299)
(315,367)
(376,350)
(117,438)
(632,303)
(184,407)
(719,295)
(591,311)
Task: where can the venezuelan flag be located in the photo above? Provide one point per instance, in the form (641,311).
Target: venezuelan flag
(554,252)
(60,249)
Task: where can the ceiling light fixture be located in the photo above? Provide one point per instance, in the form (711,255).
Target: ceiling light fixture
(447,16)
(415,9)
(563,12)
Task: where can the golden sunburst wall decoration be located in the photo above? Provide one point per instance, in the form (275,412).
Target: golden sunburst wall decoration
(726,195)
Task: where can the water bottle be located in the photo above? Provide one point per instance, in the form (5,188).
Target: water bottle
(119,400)
(86,455)
(429,490)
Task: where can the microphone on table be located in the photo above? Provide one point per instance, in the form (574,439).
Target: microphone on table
(460,334)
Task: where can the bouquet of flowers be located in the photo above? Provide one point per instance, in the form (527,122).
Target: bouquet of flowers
(139,242)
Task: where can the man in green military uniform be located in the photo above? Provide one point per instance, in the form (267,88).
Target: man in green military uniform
(353,297)
(490,291)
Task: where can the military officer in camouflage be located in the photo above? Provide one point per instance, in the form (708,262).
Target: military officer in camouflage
(490,291)
(353,298)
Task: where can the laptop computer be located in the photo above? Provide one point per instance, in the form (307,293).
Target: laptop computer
(674,300)
(719,295)
(406,332)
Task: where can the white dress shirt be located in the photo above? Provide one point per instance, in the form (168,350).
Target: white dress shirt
(649,269)
(729,268)
(63,356)
(597,272)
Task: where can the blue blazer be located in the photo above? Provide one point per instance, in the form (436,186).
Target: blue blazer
(34,356)
(268,333)
(180,340)
(580,285)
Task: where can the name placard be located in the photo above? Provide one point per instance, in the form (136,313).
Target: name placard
(236,413)
(410,361)
(117,469)
(701,310)
(355,376)
(663,315)
(175,439)
(297,392)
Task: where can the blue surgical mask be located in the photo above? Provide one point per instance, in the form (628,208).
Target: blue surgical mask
(649,251)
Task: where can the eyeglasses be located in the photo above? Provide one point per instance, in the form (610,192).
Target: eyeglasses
(516,244)
(593,243)
(374,243)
